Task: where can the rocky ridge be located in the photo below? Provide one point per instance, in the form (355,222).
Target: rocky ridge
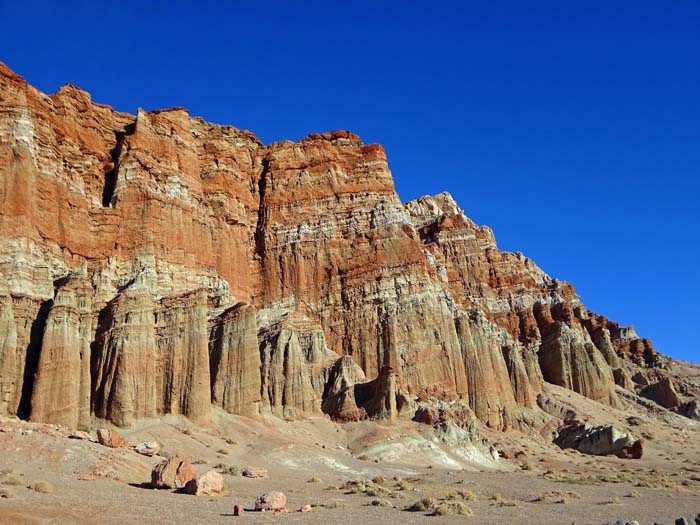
(158,264)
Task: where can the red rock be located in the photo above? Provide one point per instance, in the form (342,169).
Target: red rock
(427,415)
(109,438)
(173,473)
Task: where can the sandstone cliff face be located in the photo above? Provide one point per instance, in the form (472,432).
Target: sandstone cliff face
(155,263)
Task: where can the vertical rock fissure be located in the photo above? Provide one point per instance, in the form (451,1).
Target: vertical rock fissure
(110,180)
(260,227)
(31,362)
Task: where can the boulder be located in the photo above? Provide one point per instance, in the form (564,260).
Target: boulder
(109,438)
(238,510)
(208,484)
(440,413)
(272,501)
(173,473)
(600,440)
(147,448)
(305,508)
(691,409)
(640,379)
(427,415)
(254,472)
(662,393)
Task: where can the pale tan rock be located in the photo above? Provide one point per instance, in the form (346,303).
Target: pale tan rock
(148,448)
(254,472)
(208,484)
(600,440)
(272,501)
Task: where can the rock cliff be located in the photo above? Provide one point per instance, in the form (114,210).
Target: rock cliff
(158,264)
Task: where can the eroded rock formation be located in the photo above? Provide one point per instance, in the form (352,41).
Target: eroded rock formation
(158,264)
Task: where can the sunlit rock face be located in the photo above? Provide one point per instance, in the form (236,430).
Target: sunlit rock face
(158,264)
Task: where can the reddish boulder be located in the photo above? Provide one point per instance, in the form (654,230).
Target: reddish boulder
(427,415)
(109,438)
(173,473)
(254,472)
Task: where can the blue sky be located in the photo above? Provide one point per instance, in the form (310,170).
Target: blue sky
(570,128)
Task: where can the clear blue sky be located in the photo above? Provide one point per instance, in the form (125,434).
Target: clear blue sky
(571,128)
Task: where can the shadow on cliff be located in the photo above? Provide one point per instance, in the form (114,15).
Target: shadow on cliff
(31,362)
(110,176)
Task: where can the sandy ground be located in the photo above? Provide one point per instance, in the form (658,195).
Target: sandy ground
(310,461)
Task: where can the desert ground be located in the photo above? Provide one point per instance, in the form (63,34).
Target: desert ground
(364,472)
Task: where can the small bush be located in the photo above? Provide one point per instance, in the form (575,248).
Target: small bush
(164,454)
(382,503)
(6,493)
(612,501)
(230,441)
(447,508)
(13,481)
(187,431)
(633,494)
(502,501)
(44,487)
(375,492)
(466,495)
(231,470)
(222,451)
(314,480)
(423,505)
(404,485)
(557,496)
(379,480)
(200,461)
